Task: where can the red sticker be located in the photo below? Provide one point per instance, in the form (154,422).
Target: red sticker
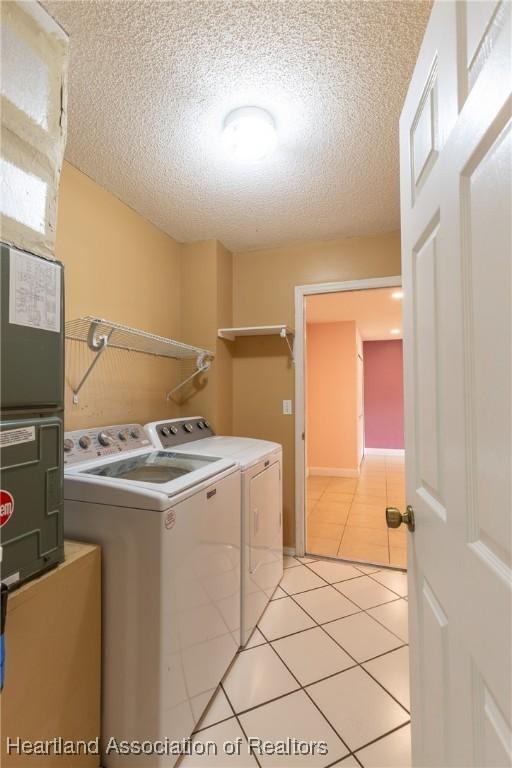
(6,507)
(170,519)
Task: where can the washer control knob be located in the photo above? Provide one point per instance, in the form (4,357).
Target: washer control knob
(207,424)
(84,441)
(165,431)
(123,435)
(188,427)
(200,424)
(135,433)
(68,444)
(173,429)
(104,438)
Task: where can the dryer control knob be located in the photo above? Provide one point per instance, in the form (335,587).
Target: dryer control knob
(124,434)
(207,424)
(84,441)
(68,444)
(200,424)
(165,431)
(174,430)
(135,433)
(104,438)
(188,427)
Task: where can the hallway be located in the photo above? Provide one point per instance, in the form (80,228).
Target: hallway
(346,516)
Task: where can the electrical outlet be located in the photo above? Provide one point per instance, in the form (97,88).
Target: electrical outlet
(287,407)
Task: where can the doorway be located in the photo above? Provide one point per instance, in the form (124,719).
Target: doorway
(350,456)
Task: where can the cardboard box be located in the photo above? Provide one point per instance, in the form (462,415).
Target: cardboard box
(53,662)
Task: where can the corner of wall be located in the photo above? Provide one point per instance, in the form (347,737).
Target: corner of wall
(207,304)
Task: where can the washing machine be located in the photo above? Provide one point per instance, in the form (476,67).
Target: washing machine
(261,501)
(169,526)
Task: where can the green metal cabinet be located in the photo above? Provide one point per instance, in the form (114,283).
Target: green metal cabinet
(31,416)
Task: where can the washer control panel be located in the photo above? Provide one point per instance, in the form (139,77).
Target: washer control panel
(87,444)
(178,431)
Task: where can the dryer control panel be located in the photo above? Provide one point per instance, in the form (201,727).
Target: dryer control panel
(178,431)
(87,444)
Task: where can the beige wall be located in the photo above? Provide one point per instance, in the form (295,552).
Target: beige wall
(120,267)
(263,293)
(207,297)
(331,397)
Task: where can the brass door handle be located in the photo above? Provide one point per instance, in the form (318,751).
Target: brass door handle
(395,518)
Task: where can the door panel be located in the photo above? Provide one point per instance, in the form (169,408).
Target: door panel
(456,155)
(426,380)
(434,700)
(482,22)
(488,281)
(424,131)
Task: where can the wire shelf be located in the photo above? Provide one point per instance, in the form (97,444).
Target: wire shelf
(99,334)
(131,339)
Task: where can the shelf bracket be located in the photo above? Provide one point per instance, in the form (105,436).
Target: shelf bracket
(284,335)
(203,364)
(97,345)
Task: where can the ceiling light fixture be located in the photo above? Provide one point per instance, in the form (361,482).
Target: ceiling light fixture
(397,295)
(250,133)
(395,331)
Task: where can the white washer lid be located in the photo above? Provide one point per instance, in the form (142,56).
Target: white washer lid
(81,485)
(245,450)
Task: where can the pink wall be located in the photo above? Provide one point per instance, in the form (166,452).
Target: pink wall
(331,395)
(383,394)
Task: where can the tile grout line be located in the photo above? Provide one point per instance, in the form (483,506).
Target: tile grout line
(301,687)
(311,699)
(402,597)
(352,753)
(344,525)
(330,621)
(223,719)
(352,578)
(386,471)
(240,725)
(365,610)
(356,663)
(321,626)
(384,735)
(326,583)
(304,688)
(352,657)
(359,610)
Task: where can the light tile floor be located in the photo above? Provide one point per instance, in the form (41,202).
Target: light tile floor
(346,516)
(328,662)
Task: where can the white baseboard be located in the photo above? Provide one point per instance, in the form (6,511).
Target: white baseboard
(384,452)
(289,551)
(332,472)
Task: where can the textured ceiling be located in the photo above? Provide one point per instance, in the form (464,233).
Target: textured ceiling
(151,82)
(375,311)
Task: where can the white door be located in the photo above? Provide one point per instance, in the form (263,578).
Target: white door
(456,141)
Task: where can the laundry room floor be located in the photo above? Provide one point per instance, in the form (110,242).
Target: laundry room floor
(328,662)
(346,516)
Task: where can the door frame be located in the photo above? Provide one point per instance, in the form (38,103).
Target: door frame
(301,291)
